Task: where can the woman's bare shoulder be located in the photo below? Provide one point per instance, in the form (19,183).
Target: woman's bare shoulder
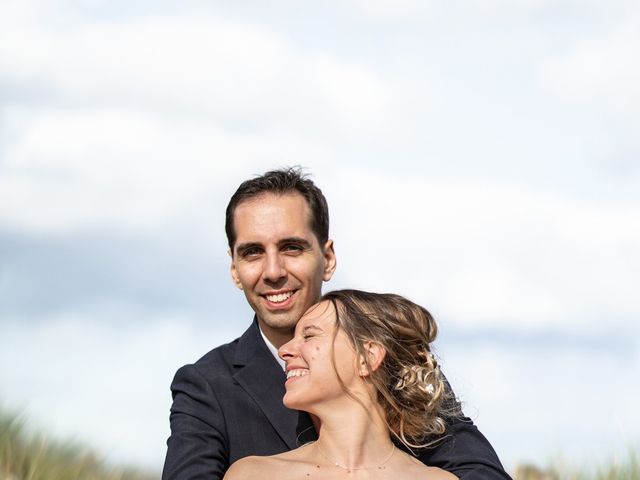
(249,467)
(420,470)
(429,473)
(276,466)
(435,473)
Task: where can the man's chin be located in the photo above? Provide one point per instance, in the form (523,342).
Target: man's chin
(283,321)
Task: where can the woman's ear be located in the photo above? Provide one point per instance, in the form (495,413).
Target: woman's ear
(375,353)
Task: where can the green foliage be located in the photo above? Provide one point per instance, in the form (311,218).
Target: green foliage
(25,456)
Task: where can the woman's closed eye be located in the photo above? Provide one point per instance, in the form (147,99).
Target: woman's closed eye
(309,332)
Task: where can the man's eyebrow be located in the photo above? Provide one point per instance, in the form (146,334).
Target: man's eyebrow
(243,247)
(299,240)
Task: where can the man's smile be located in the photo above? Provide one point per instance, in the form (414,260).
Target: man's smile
(279,300)
(279,297)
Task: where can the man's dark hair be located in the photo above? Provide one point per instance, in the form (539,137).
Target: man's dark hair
(280,182)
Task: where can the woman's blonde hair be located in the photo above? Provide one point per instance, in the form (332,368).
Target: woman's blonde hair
(408,382)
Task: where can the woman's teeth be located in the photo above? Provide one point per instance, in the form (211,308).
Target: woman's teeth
(297,373)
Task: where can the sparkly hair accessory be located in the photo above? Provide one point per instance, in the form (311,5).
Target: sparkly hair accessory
(415,375)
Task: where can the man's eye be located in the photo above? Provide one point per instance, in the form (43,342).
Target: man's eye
(251,252)
(292,248)
(307,337)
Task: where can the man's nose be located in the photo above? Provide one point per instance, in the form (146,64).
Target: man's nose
(274,268)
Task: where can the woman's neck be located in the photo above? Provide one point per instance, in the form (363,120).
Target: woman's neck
(353,437)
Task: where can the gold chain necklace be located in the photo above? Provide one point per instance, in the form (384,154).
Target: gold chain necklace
(350,469)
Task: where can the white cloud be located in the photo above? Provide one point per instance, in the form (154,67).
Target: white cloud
(206,64)
(385,10)
(488,253)
(357,97)
(414,11)
(68,170)
(139,119)
(518,395)
(600,67)
(106,385)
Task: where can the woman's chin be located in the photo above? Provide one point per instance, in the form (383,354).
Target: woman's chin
(294,402)
(290,401)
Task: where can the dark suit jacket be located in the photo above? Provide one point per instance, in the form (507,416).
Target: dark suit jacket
(228,405)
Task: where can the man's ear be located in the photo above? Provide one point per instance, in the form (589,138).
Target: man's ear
(375,353)
(234,273)
(330,261)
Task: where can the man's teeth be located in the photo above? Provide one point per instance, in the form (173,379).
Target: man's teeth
(281,297)
(297,373)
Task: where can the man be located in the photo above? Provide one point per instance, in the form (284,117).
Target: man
(228,404)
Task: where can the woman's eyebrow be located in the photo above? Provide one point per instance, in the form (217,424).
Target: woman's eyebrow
(311,327)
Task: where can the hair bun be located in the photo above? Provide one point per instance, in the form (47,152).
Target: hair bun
(418,376)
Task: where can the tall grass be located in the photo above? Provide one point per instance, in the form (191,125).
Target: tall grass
(30,456)
(627,469)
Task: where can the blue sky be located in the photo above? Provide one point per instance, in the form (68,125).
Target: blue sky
(481,158)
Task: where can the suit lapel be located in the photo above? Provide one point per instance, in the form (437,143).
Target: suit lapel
(305,431)
(263,379)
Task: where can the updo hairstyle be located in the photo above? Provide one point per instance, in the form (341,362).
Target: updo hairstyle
(408,382)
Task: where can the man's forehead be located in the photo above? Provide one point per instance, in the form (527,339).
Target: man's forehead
(283,200)
(286,215)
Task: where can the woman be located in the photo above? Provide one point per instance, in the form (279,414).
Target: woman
(361,364)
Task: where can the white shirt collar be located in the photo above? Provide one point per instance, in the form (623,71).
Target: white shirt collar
(272,349)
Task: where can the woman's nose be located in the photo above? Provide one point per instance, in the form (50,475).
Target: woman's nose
(288,350)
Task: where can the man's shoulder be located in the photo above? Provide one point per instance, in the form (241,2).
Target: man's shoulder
(219,353)
(223,357)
